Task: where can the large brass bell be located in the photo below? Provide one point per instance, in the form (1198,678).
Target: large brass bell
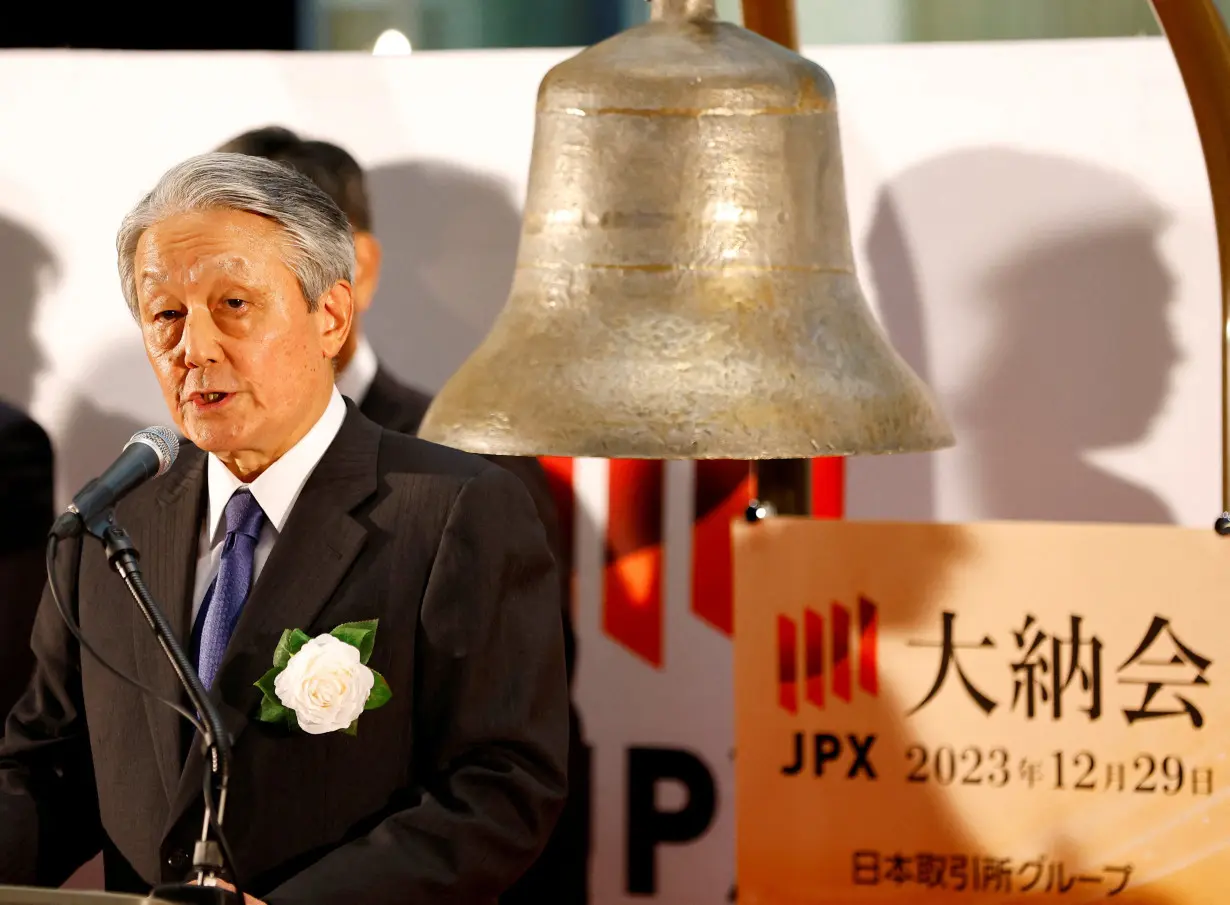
(685,284)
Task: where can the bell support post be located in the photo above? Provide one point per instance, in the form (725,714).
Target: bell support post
(1201,46)
(785,485)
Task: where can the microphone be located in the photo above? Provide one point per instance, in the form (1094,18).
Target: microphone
(148,454)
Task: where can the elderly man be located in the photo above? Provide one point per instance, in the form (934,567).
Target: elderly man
(294,512)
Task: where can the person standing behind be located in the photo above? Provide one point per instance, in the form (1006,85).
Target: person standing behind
(561,874)
(26,488)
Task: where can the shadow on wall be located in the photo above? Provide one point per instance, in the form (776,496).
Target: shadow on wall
(94,432)
(91,436)
(450,244)
(1070,320)
(27,263)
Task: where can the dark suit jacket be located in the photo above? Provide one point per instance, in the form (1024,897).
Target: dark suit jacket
(400,408)
(446,794)
(561,875)
(26,490)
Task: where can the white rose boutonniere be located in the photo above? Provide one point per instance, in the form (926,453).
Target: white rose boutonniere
(323,684)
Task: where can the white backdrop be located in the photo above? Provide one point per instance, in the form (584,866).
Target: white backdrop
(1032,223)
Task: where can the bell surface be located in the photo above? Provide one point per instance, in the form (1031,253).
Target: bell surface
(685,283)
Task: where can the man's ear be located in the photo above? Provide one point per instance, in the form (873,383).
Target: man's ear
(335,314)
(367,257)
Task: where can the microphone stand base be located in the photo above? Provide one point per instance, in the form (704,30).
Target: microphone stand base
(188,894)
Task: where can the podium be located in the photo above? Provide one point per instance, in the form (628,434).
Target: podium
(20,895)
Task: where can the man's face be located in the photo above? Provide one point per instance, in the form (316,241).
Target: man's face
(244,366)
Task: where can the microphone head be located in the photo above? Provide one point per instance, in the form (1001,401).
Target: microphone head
(163,441)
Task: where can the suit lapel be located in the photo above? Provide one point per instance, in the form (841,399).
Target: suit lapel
(311,556)
(168,541)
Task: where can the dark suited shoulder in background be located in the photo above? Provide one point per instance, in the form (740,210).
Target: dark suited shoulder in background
(394,405)
(27,467)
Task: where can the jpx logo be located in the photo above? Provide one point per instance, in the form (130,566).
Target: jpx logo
(827,666)
(820,672)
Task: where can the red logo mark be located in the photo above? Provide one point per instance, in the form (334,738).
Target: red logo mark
(632,605)
(814,665)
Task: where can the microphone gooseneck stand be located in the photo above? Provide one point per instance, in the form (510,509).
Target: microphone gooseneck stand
(207,856)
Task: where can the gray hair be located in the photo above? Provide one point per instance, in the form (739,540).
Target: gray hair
(318,233)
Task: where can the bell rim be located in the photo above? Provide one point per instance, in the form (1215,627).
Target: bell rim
(616,445)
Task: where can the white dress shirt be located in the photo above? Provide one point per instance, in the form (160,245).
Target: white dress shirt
(356,380)
(276,490)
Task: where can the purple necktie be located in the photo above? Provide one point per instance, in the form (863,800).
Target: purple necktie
(225,599)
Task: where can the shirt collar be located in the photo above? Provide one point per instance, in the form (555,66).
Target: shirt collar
(356,379)
(277,488)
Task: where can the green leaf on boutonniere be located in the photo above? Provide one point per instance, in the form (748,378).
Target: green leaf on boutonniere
(358,634)
(288,645)
(380,695)
(265,683)
(273,712)
(352,729)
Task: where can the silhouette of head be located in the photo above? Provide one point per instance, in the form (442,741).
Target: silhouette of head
(27,261)
(1062,299)
(1084,351)
(1078,349)
(338,175)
